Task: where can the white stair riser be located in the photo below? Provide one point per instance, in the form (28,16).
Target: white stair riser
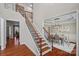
(41,43)
(37,40)
(44,46)
(43,53)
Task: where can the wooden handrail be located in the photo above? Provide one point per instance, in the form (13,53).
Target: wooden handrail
(19,7)
(28,12)
(46,30)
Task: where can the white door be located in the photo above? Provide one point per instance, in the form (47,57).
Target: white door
(2,33)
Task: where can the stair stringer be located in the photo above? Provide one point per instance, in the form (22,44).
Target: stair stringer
(42,35)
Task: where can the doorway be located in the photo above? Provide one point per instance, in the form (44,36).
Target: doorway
(12,34)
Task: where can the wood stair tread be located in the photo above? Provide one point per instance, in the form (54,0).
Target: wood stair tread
(46,48)
(41,41)
(38,38)
(43,45)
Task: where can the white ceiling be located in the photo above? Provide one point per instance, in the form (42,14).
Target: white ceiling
(48,10)
(28,4)
(67,18)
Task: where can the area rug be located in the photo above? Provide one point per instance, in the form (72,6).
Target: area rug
(67,47)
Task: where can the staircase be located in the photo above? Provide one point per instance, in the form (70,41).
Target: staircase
(39,41)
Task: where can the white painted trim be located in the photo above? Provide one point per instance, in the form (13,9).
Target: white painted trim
(44,46)
(3,42)
(42,43)
(77,32)
(31,49)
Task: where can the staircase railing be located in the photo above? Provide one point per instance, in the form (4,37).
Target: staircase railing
(33,33)
(46,34)
(30,26)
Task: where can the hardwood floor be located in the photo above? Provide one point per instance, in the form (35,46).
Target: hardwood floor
(10,43)
(58,52)
(20,50)
(23,50)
